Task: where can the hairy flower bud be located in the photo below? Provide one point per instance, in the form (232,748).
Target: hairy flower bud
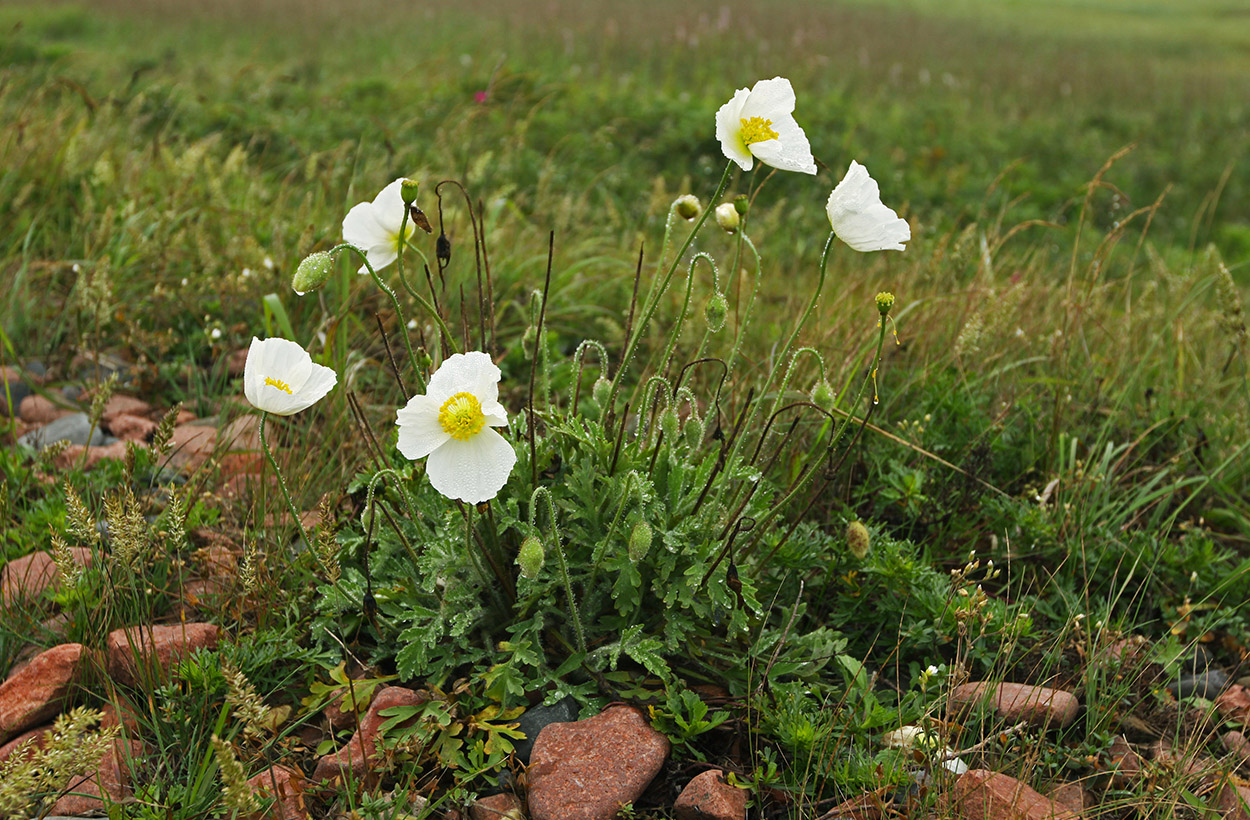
(694,432)
(823,395)
(727,217)
(715,311)
(530,557)
(601,391)
(408,190)
(639,541)
(857,539)
(688,206)
(670,424)
(313,272)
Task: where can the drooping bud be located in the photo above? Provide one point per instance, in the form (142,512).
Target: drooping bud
(688,206)
(741,204)
(823,395)
(715,311)
(694,432)
(601,391)
(857,539)
(530,557)
(885,301)
(727,217)
(408,190)
(670,424)
(639,541)
(312,273)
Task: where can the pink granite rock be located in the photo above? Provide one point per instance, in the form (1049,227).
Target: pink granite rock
(588,769)
(1071,796)
(73,454)
(35,694)
(132,428)
(708,797)
(1035,705)
(109,784)
(1237,743)
(505,806)
(124,406)
(286,787)
(984,795)
(37,737)
(27,577)
(1234,704)
(1233,801)
(191,445)
(39,410)
(137,651)
(352,762)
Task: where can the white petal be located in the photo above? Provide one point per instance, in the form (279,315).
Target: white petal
(419,431)
(281,360)
(472,372)
(729,127)
(252,380)
(790,151)
(362,229)
(771,99)
(474,470)
(380,256)
(859,218)
(320,381)
(388,207)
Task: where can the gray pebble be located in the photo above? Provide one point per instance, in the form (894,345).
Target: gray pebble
(75,428)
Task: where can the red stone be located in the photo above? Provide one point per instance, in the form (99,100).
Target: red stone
(39,736)
(1234,704)
(708,797)
(123,406)
(588,769)
(236,362)
(28,576)
(132,428)
(122,714)
(1071,796)
(218,561)
(35,694)
(349,764)
(1233,801)
(134,651)
(1125,764)
(286,786)
(1035,705)
(36,409)
(242,434)
(73,454)
(1236,743)
(191,445)
(505,806)
(111,780)
(984,795)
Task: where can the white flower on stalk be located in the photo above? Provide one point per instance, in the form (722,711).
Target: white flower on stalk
(758,123)
(452,425)
(374,226)
(281,378)
(858,217)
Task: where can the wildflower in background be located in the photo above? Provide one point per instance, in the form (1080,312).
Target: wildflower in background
(312,273)
(374,226)
(858,217)
(758,123)
(452,425)
(688,206)
(281,378)
(727,217)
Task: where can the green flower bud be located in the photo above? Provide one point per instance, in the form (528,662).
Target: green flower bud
(530,557)
(823,395)
(313,272)
(601,391)
(857,539)
(715,311)
(639,541)
(688,206)
(408,190)
(727,217)
(885,301)
(741,204)
(670,424)
(694,431)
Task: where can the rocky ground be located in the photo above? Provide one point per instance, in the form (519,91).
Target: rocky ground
(573,769)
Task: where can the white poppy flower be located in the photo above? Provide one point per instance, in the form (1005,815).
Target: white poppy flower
(374,226)
(759,124)
(452,425)
(281,378)
(858,217)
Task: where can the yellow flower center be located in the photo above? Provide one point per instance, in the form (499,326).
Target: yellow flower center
(278,383)
(757,129)
(461,416)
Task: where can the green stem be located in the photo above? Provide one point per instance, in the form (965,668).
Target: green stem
(657,293)
(837,436)
(564,567)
